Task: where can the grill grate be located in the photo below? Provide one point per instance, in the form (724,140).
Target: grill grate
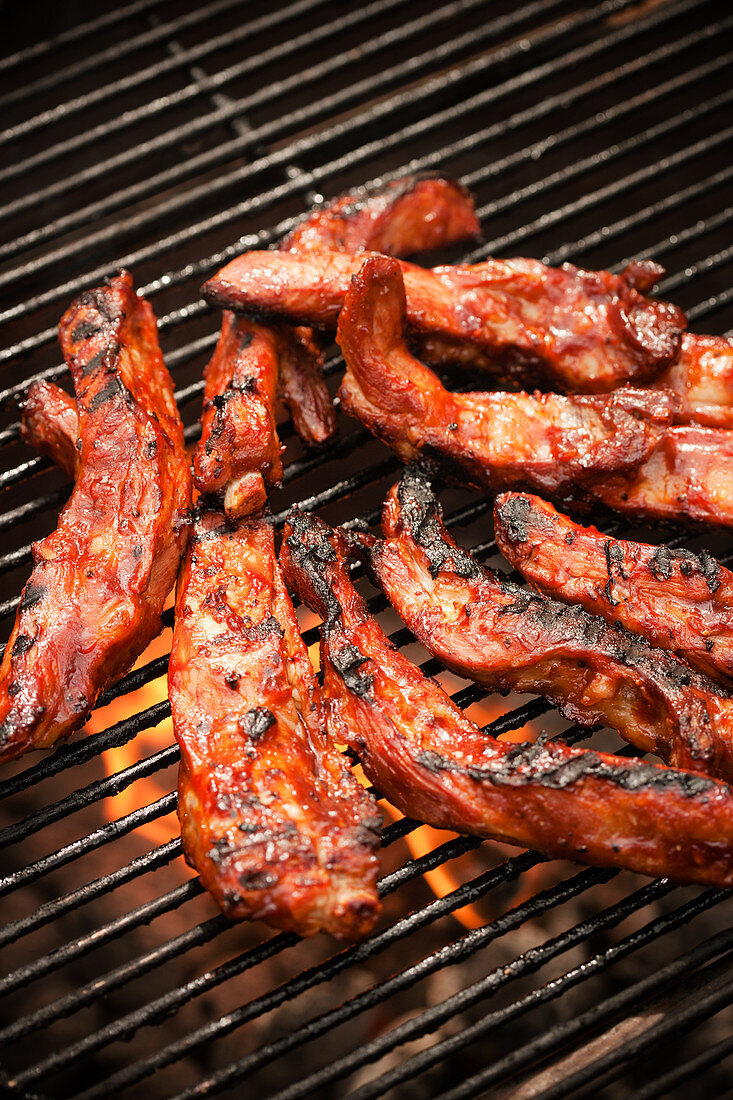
(153,137)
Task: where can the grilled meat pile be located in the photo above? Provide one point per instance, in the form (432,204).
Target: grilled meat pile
(605,400)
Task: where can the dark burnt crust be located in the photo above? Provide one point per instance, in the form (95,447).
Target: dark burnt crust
(421,515)
(311,550)
(548,765)
(514,510)
(695,734)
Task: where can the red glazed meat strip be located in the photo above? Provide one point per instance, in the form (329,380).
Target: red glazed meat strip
(94,599)
(271,816)
(679,600)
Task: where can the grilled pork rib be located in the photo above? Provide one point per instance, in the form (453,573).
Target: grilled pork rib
(239,453)
(576,330)
(430,761)
(481,626)
(99,582)
(676,599)
(271,816)
(702,377)
(411,214)
(49,422)
(491,440)
(687,477)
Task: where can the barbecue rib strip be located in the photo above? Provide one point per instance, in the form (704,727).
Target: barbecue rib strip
(239,453)
(49,422)
(481,626)
(676,599)
(271,816)
(492,440)
(575,330)
(96,593)
(430,761)
(412,214)
(702,377)
(688,476)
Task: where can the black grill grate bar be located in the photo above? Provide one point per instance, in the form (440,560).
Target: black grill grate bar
(664,1084)
(52,910)
(152,215)
(526,963)
(145,913)
(143,964)
(698,1010)
(650,932)
(700,267)
(454,952)
(333,167)
(94,792)
(174,999)
(205,933)
(134,80)
(691,233)
(611,153)
(82,30)
(113,830)
(630,997)
(593,198)
(92,745)
(210,158)
(120,49)
(715,301)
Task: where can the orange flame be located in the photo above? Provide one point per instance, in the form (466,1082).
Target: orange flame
(148,789)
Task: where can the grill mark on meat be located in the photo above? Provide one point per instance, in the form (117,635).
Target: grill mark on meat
(255,723)
(677,599)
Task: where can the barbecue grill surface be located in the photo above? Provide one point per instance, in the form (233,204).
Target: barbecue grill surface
(167,137)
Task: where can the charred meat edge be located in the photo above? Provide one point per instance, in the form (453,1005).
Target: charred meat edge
(676,599)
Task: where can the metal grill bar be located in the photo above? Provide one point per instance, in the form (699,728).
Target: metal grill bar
(720,945)
(255,241)
(115,52)
(151,861)
(134,80)
(529,962)
(219,153)
(713,1057)
(309,978)
(83,30)
(284,156)
(205,933)
(370,1052)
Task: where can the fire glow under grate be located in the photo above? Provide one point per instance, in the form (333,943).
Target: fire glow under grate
(167,137)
